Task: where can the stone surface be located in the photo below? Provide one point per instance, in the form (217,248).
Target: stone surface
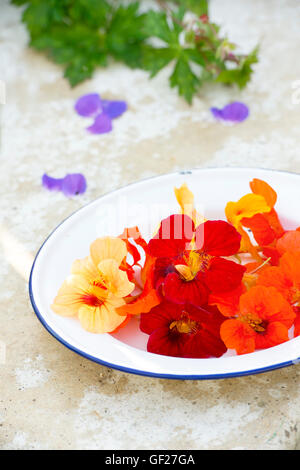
(50,397)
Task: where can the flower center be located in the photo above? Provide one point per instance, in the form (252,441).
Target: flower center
(184,325)
(91,300)
(195,261)
(257,324)
(296,296)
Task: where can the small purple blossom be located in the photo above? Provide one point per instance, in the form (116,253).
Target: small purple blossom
(233,112)
(103,111)
(70,185)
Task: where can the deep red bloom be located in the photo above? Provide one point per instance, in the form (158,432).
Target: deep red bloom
(187,269)
(183,330)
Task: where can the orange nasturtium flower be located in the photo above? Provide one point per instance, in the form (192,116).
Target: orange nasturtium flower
(263,319)
(285,277)
(96,287)
(264,189)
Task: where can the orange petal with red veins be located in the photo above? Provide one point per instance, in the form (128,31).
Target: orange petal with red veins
(276,333)
(237,335)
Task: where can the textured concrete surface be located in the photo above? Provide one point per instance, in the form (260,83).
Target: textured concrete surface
(53,399)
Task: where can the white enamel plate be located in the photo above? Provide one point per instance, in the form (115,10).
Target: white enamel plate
(145,204)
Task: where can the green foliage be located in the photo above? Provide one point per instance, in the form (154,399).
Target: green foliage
(82,35)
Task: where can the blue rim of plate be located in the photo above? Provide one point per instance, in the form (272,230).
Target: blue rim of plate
(137,371)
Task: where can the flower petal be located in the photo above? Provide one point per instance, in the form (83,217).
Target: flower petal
(179,291)
(101,125)
(88,105)
(160,316)
(116,279)
(174,234)
(73,184)
(108,248)
(114,109)
(234,112)
(53,184)
(217,238)
(103,319)
(290,241)
(239,336)
(276,333)
(165,342)
(204,344)
(224,275)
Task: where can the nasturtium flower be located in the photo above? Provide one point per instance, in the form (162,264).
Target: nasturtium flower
(189,261)
(285,277)
(183,331)
(232,112)
(96,287)
(102,111)
(266,227)
(71,185)
(263,320)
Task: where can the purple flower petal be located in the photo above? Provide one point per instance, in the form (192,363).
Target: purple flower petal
(73,184)
(234,112)
(88,105)
(101,125)
(53,184)
(70,185)
(114,109)
(217,113)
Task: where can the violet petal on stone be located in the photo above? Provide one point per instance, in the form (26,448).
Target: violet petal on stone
(73,184)
(114,109)
(233,112)
(88,105)
(101,125)
(52,184)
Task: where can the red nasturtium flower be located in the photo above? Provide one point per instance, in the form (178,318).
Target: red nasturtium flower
(263,318)
(189,262)
(183,330)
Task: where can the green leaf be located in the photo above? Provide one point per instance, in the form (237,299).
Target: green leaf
(155,59)
(184,79)
(125,34)
(156,25)
(41,14)
(92,13)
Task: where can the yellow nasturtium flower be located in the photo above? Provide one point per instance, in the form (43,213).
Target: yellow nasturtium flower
(96,287)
